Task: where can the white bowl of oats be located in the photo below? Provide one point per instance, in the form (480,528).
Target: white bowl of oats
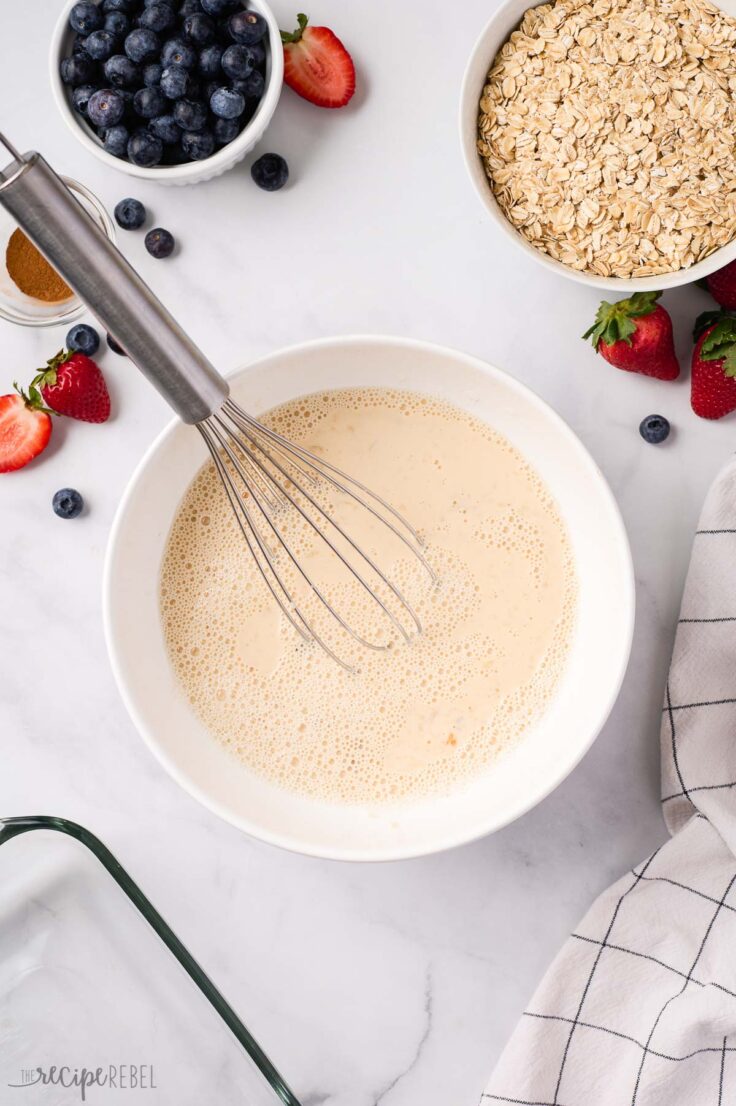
(601,136)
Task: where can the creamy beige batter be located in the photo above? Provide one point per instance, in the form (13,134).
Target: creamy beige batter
(421,718)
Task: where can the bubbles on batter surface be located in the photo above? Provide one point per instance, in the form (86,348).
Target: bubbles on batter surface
(423,718)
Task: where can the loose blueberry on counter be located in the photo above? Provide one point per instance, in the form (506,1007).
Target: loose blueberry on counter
(654,429)
(199,29)
(81,97)
(116,139)
(238,61)
(100,45)
(247,27)
(226,103)
(130,214)
(175,81)
(198,145)
(178,52)
(85,18)
(67,503)
(115,346)
(118,24)
(270,172)
(105,108)
(149,103)
(145,149)
(84,339)
(142,45)
(167,129)
(158,16)
(191,115)
(121,72)
(159,242)
(152,74)
(76,70)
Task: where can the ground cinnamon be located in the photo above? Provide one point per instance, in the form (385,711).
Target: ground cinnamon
(31,272)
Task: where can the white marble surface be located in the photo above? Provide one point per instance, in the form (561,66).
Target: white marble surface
(395,984)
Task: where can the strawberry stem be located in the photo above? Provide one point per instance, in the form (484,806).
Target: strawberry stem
(33,399)
(295,36)
(614,321)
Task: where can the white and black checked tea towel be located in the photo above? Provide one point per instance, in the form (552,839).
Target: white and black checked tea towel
(639,1008)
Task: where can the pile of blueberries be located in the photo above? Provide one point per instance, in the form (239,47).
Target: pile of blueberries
(165,82)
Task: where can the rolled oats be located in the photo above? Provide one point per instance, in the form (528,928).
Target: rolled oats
(608,132)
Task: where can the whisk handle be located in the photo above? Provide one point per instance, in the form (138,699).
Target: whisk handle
(65,233)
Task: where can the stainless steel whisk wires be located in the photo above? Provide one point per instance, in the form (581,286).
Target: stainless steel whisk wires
(265,476)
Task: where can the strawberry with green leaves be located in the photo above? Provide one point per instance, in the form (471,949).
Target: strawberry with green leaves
(73,385)
(635,335)
(713,382)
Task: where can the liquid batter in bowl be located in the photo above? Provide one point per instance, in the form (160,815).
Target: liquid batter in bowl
(417,720)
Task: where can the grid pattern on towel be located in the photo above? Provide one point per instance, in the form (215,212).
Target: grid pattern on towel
(639,1007)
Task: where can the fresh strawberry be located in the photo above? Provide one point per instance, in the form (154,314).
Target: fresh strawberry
(635,334)
(73,385)
(722,286)
(713,383)
(317,65)
(25,429)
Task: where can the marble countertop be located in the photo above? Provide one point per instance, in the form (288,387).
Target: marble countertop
(395,984)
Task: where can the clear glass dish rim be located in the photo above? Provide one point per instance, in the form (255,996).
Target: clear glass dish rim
(75,307)
(14,827)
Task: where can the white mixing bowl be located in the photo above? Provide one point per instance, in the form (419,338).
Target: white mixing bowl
(523,775)
(506,19)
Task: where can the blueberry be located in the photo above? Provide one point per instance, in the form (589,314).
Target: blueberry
(121,72)
(209,60)
(115,346)
(152,74)
(145,149)
(178,52)
(115,140)
(85,18)
(251,86)
(158,16)
(270,172)
(247,27)
(149,102)
(218,8)
(130,213)
(238,61)
(654,429)
(67,502)
(105,107)
(189,7)
(198,145)
(167,129)
(175,82)
(160,243)
(100,45)
(117,24)
(119,5)
(83,338)
(191,115)
(225,130)
(78,47)
(227,104)
(199,29)
(142,44)
(81,97)
(76,70)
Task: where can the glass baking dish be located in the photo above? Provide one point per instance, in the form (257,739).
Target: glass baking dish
(91,1002)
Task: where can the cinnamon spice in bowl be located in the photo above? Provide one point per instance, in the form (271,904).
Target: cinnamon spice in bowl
(31,291)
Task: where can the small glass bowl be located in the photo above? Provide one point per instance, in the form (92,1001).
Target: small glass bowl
(15,306)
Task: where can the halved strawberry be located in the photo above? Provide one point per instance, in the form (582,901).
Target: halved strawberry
(317,65)
(72,384)
(25,429)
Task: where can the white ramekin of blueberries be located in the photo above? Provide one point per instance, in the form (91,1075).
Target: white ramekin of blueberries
(175,91)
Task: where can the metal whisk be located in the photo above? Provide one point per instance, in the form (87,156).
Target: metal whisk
(276,488)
